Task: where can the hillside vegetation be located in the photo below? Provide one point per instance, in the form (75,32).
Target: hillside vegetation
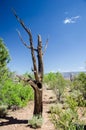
(69,112)
(13,92)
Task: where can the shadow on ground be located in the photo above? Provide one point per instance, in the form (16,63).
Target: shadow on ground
(11,120)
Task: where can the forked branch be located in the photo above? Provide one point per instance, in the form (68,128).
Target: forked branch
(22,39)
(31,45)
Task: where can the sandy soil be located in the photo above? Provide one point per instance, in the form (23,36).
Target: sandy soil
(18,120)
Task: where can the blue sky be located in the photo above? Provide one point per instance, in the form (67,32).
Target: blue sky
(63,22)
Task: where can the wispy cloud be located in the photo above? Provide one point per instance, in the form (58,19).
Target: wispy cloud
(71,20)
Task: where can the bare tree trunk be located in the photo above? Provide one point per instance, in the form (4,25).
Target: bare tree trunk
(38,70)
(38,106)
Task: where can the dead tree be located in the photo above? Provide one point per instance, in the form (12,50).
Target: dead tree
(38,69)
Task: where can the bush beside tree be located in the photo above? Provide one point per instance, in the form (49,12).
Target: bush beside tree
(64,114)
(11,92)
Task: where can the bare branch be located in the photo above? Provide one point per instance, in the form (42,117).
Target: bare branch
(40,60)
(45,47)
(31,45)
(22,39)
(30,81)
(22,78)
(21,22)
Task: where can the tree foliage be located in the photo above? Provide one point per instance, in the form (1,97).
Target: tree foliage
(80,83)
(12,92)
(4,59)
(66,115)
(15,93)
(4,54)
(56,82)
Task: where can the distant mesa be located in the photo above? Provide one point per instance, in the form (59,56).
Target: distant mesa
(68,75)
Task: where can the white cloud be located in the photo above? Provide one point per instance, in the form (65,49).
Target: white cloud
(71,20)
(68,20)
(76,17)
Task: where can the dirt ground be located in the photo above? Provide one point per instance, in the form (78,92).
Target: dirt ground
(18,120)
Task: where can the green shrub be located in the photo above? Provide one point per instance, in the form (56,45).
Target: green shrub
(56,82)
(36,122)
(15,94)
(65,119)
(80,83)
(11,92)
(65,116)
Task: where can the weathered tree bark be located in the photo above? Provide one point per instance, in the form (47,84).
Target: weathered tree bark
(38,69)
(38,106)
